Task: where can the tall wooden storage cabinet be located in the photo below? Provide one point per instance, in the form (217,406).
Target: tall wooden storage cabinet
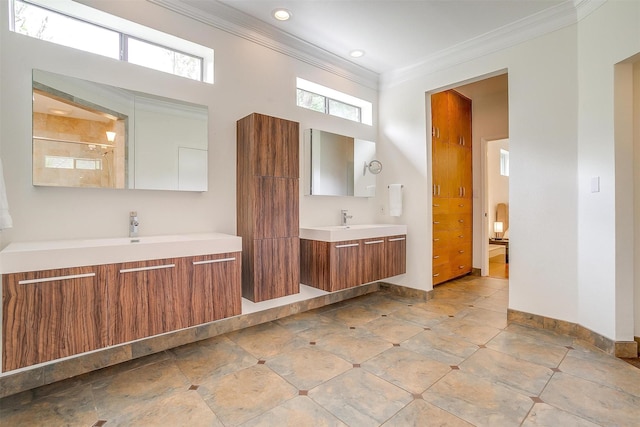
(452,185)
(268,205)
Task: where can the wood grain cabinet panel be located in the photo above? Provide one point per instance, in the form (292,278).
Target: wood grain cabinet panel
(268,206)
(374,259)
(52,314)
(277,207)
(396,249)
(347,266)
(210,287)
(453,181)
(144,300)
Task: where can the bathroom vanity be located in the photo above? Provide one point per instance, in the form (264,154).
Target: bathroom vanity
(62,298)
(339,257)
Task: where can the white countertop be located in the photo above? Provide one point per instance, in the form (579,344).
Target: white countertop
(46,255)
(337,233)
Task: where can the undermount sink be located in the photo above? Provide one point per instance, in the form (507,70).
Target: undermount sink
(45,255)
(336,233)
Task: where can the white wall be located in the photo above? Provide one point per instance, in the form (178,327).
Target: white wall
(542,132)
(561,134)
(241,69)
(605,219)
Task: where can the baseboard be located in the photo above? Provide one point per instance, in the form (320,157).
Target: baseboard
(616,348)
(405,291)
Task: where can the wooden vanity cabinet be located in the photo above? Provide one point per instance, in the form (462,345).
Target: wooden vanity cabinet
(210,287)
(452,185)
(52,314)
(333,266)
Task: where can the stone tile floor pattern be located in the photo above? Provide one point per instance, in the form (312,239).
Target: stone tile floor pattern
(375,360)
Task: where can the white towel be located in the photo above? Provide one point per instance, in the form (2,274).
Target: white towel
(395,199)
(5,218)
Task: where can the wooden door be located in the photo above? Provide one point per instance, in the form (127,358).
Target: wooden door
(143,300)
(51,314)
(210,287)
(396,249)
(440,117)
(374,259)
(346,269)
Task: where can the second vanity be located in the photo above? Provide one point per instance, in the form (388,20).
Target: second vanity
(63,298)
(339,257)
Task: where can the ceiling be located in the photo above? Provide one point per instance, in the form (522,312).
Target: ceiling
(394,34)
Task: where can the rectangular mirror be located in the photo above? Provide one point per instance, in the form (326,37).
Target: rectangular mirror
(88,134)
(338,165)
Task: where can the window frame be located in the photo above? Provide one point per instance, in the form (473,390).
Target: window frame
(91,16)
(364,108)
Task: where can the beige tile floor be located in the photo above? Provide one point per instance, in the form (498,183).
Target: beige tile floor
(375,360)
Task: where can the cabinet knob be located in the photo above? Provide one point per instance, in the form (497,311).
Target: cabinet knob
(436,275)
(436,257)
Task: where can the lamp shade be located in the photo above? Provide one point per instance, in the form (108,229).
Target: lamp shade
(498,227)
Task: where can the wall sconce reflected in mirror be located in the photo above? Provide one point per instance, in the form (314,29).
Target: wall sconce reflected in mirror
(498,228)
(374,166)
(111,136)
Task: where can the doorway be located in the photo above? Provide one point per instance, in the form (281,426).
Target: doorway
(490,121)
(496,154)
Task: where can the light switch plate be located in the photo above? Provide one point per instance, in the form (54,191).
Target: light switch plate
(595,184)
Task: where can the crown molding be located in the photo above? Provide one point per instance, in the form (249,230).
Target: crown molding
(233,21)
(543,22)
(228,19)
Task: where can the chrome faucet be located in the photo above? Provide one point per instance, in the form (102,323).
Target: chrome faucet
(344,215)
(133,224)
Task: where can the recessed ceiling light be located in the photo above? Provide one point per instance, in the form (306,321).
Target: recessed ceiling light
(282,14)
(356,53)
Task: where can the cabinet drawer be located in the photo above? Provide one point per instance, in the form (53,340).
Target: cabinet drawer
(441,222)
(459,237)
(461,206)
(440,206)
(458,221)
(440,257)
(440,240)
(441,273)
(52,314)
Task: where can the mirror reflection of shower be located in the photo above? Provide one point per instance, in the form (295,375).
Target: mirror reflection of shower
(75,142)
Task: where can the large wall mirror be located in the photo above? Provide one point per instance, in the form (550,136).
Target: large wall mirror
(339,165)
(87,134)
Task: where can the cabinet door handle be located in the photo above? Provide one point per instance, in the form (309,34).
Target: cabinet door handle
(436,222)
(374,242)
(436,275)
(350,245)
(397,239)
(54,278)
(213,261)
(460,252)
(461,221)
(438,189)
(436,206)
(460,267)
(436,240)
(461,236)
(436,257)
(461,206)
(152,267)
